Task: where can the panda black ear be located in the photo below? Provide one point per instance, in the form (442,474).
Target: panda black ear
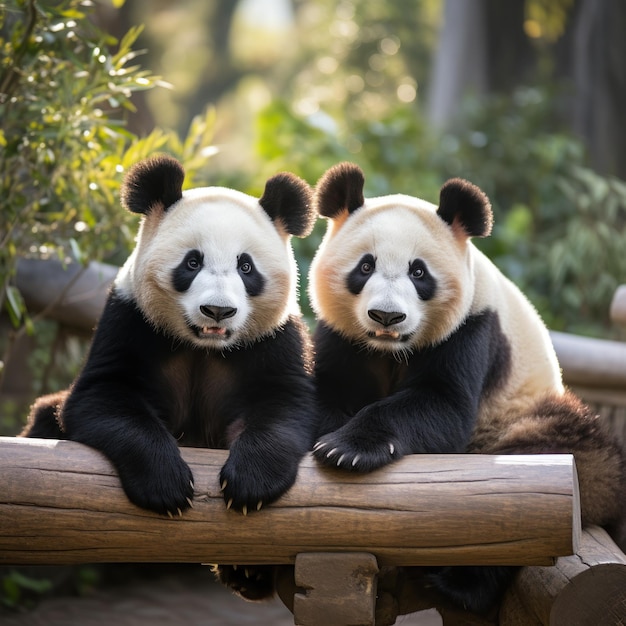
(340,189)
(289,200)
(157,181)
(465,207)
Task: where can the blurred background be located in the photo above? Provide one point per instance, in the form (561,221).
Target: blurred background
(524,98)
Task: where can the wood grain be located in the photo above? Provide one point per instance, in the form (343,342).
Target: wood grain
(62,503)
(584,589)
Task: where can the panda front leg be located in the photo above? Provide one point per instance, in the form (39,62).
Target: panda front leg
(261,467)
(408,422)
(118,421)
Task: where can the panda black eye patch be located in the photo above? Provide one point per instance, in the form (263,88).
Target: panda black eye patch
(423,281)
(361,273)
(187,269)
(253,280)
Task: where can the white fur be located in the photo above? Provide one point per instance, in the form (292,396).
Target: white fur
(397,229)
(222,224)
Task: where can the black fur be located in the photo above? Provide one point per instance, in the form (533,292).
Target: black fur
(256,400)
(358,277)
(288,198)
(340,189)
(253,280)
(187,270)
(466,204)
(45,417)
(425,283)
(474,588)
(371,399)
(152,183)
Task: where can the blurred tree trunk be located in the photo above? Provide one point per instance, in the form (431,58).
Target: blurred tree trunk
(483,49)
(460,63)
(596,64)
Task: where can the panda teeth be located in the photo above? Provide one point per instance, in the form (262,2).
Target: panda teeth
(390,334)
(213,330)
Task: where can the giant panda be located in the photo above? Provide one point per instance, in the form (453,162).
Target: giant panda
(423,346)
(200,344)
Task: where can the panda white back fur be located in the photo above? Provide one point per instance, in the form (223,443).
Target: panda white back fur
(423,346)
(200,343)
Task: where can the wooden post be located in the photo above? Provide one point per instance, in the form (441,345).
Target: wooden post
(591,362)
(62,503)
(338,589)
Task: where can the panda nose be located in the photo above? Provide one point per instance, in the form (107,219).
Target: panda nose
(217,313)
(386,318)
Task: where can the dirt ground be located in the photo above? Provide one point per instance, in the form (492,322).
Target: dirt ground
(188,597)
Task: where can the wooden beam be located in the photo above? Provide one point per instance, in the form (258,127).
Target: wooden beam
(61,502)
(69,293)
(591,362)
(586,588)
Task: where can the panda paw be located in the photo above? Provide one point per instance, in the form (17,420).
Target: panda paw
(248,484)
(165,487)
(251,582)
(359,454)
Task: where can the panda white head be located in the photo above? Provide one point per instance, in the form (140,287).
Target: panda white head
(213,267)
(395,273)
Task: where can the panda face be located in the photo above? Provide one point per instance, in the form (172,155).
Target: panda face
(213,270)
(392,276)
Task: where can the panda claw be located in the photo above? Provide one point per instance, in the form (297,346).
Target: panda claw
(355,460)
(319,445)
(259,505)
(341,458)
(169,514)
(180,513)
(229,504)
(391,449)
(234,567)
(244,510)
(247,572)
(329,454)
(190,502)
(224,484)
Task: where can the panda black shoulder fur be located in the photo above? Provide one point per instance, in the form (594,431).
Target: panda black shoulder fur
(423,346)
(200,343)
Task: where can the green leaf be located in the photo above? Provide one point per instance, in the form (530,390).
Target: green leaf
(15,305)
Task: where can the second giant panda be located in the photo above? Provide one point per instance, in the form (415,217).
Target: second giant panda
(423,346)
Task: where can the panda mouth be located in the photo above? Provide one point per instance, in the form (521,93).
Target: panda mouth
(211,332)
(387,335)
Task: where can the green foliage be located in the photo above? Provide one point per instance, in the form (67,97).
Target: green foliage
(18,589)
(64,89)
(560,228)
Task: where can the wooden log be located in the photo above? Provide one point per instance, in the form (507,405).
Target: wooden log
(61,503)
(591,362)
(69,293)
(585,589)
(618,305)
